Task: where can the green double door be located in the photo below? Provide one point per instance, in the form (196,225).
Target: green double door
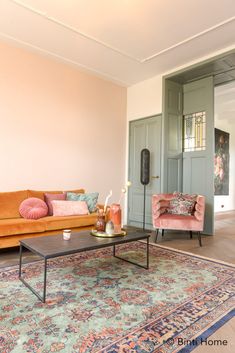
(189,170)
(144,133)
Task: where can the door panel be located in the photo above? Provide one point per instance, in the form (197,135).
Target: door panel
(174,174)
(172,135)
(198,165)
(144,133)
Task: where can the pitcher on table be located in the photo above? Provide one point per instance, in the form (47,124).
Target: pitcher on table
(116,217)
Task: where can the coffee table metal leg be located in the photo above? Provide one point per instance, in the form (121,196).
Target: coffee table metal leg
(147,254)
(20,264)
(114,250)
(45,280)
(42,298)
(135,263)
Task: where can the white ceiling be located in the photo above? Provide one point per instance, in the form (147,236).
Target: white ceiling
(125,41)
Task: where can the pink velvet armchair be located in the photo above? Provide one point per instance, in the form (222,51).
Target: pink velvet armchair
(163,220)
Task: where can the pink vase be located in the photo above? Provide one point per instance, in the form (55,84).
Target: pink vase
(116,217)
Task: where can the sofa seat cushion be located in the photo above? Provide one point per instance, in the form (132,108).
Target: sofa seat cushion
(178,222)
(21,226)
(10,203)
(54,222)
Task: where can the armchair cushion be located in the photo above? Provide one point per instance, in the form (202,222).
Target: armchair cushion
(178,222)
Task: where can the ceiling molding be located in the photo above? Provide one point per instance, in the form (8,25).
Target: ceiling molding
(114,49)
(218,25)
(73,29)
(66,60)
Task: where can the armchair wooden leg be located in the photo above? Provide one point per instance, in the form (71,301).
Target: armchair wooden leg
(191,234)
(162,232)
(199,238)
(157,231)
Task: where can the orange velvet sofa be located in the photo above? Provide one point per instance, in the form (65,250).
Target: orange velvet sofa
(13,227)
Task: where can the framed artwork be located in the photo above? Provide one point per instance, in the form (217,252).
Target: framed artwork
(221,163)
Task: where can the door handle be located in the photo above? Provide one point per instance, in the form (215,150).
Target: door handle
(155,177)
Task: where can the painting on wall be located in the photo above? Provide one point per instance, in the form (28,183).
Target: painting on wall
(221,163)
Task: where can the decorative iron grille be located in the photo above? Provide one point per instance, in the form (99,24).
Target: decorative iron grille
(194,134)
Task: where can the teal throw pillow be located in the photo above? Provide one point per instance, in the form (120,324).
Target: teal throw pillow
(91,199)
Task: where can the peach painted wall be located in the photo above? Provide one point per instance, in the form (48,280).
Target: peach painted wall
(60,128)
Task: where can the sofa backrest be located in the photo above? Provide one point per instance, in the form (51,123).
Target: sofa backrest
(10,203)
(40,194)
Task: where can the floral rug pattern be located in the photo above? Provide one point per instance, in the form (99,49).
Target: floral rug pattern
(98,303)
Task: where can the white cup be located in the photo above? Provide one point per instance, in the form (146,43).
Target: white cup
(66,234)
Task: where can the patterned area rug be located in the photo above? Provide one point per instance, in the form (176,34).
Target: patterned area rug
(97,303)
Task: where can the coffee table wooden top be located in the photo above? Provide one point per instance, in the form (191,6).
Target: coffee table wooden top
(54,245)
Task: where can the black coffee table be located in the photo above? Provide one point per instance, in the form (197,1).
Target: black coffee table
(49,247)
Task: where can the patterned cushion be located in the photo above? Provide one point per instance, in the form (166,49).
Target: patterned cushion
(33,208)
(69,208)
(189,197)
(182,204)
(91,199)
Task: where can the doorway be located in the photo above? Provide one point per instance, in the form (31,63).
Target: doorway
(190,98)
(224,173)
(143,133)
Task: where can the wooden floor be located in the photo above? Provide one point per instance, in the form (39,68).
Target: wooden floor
(221,246)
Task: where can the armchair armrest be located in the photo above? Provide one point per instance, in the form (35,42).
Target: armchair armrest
(156,207)
(200,208)
(160,203)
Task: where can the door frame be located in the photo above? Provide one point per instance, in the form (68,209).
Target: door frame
(194,66)
(129,142)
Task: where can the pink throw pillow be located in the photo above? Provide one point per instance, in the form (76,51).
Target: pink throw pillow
(33,208)
(69,208)
(50,197)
